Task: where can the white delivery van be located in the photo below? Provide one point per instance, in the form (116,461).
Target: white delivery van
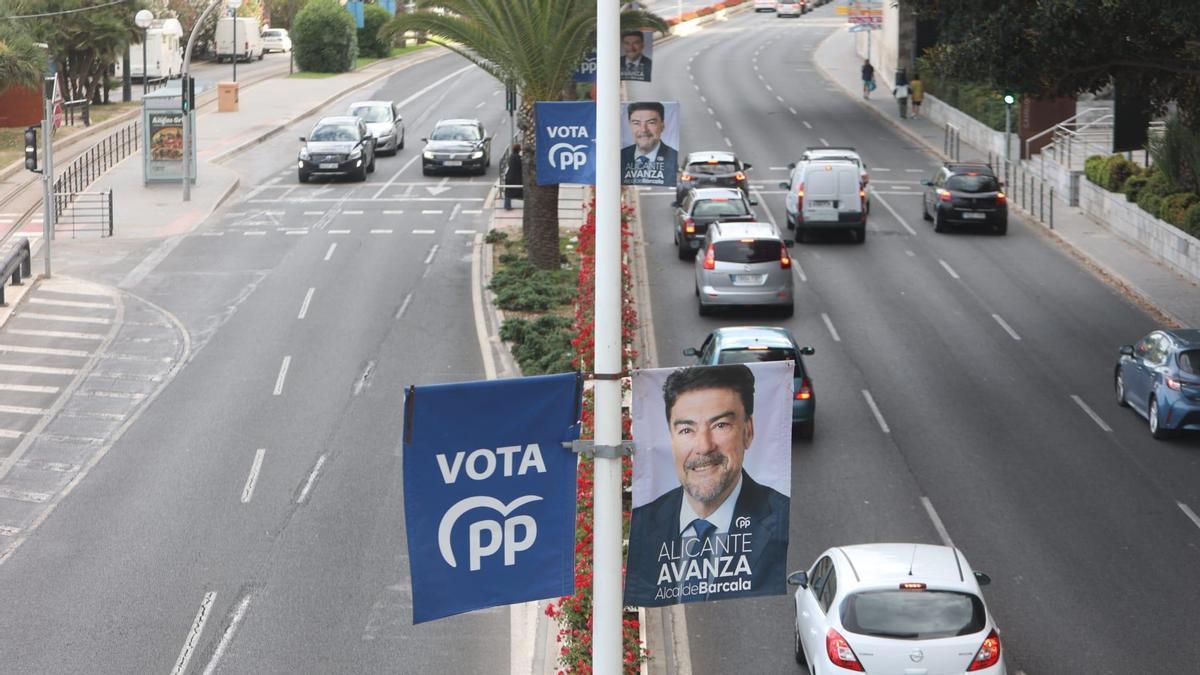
(164,52)
(249,39)
(826,195)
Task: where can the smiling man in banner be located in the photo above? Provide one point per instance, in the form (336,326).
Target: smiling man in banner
(719,533)
(650,159)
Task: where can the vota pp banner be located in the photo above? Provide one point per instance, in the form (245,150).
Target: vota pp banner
(489,492)
(566,142)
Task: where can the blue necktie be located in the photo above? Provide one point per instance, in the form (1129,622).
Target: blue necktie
(642,162)
(705,534)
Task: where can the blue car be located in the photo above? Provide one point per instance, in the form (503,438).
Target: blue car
(1159,377)
(752,344)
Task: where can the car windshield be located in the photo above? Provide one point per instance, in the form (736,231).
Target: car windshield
(334,132)
(1189,362)
(715,208)
(712,169)
(913,615)
(760,356)
(373,113)
(972,183)
(455,132)
(747,252)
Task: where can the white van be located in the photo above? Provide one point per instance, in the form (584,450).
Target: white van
(164,52)
(249,39)
(825,196)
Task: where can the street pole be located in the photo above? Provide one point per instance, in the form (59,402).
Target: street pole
(1009,99)
(188,141)
(606,553)
(126,80)
(145,84)
(235,47)
(48,171)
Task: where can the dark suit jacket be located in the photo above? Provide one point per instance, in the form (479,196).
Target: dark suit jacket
(639,73)
(668,159)
(657,523)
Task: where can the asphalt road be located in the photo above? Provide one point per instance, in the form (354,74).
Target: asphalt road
(251,519)
(956,375)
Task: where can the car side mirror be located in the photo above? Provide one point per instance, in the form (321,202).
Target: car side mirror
(691,351)
(675,204)
(807,351)
(982,578)
(791,165)
(789,242)
(747,166)
(303,139)
(785,185)
(399,118)
(926,181)
(1126,350)
(424,140)
(798,579)
(753,202)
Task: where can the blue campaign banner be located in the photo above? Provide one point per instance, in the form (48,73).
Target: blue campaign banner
(566,142)
(586,72)
(489,492)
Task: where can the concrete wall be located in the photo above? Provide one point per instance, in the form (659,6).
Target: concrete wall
(971,131)
(1164,241)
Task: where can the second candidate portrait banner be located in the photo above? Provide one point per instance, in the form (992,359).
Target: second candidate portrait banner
(711,483)
(649,142)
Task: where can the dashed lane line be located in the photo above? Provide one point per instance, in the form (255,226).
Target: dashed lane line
(66,318)
(1091,413)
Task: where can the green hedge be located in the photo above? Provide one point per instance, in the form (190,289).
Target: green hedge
(1191,220)
(542,345)
(324,38)
(1110,172)
(980,101)
(370,42)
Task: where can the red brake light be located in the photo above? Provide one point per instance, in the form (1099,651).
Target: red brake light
(689,225)
(866,178)
(912,586)
(944,195)
(1000,198)
(785,260)
(1172,383)
(739,176)
(719,199)
(686,176)
(710,258)
(840,653)
(988,654)
(805,391)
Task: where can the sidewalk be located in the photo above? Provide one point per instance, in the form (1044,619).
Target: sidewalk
(1166,293)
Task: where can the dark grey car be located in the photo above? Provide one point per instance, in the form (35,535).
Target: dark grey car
(701,207)
(337,145)
(457,145)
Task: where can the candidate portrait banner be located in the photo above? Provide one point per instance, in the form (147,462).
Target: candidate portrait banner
(566,142)
(489,492)
(637,46)
(711,483)
(649,142)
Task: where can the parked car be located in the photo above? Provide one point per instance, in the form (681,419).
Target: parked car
(384,122)
(789,8)
(764,6)
(894,608)
(276,40)
(823,153)
(337,145)
(1159,377)
(755,344)
(457,145)
(826,196)
(965,194)
(701,207)
(711,168)
(744,264)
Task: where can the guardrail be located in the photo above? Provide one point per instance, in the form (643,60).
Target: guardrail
(94,161)
(15,255)
(84,108)
(1027,191)
(84,212)
(951,141)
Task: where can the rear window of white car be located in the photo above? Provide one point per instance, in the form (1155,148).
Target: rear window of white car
(913,615)
(710,208)
(713,169)
(747,251)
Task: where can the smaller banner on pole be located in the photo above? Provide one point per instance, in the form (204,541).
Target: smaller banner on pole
(489,492)
(637,46)
(566,142)
(586,72)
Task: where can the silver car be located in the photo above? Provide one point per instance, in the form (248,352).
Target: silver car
(384,122)
(743,264)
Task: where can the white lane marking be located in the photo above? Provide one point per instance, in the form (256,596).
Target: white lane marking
(65,317)
(472,212)
(227,636)
(432,252)
(295,232)
(799,270)
(252,479)
(433,212)
(212,234)
(823,142)
(937,522)
(253,233)
(464,231)
(779,98)
(283,368)
(312,477)
(915,171)
(793,111)
(393,213)
(829,324)
(1090,413)
(381,231)
(45,351)
(11,433)
(875,409)
(329,253)
(193,636)
(1187,511)
(728,142)
(704,99)
(304,305)
(770,88)
(41,370)
(806,124)
(423,232)
(362,380)
(1007,328)
(70,303)
(720,126)
(314,213)
(909,253)
(21,410)
(352,213)
(949,270)
(480,105)
(710,112)
(338,231)
(888,206)
(403,306)
(899,187)
(878,168)
(29,388)
(481,334)
(454,211)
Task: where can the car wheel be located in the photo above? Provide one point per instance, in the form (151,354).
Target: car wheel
(1002,228)
(705,310)
(303,177)
(1156,430)
(1120,386)
(801,235)
(362,174)
(805,431)
(860,234)
(685,251)
(939,223)
(925,212)
(425,171)
(696,290)
(371,166)
(798,646)
(788,310)
(791,222)
(400,145)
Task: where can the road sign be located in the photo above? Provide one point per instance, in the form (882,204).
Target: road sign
(861,28)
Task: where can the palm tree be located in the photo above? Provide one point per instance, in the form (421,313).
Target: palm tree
(535,45)
(21,61)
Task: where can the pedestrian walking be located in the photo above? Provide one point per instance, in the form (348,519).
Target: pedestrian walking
(513,178)
(901,92)
(868,78)
(918,94)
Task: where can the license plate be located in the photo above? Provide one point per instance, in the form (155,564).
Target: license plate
(822,204)
(749,279)
(328,165)
(452,162)
(974,216)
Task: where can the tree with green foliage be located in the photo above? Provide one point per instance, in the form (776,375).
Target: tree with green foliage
(21,61)
(1066,47)
(324,38)
(370,41)
(536,45)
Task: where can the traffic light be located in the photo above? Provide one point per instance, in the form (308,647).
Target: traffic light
(31,141)
(187,88)
(1009,98)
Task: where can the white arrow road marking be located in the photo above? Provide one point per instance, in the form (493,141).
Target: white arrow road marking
(440,187)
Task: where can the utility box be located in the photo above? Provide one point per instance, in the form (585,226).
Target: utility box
(227,97)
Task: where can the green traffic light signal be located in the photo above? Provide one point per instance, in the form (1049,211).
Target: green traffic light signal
(1009,99)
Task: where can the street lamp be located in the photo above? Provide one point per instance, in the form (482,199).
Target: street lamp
(143,19)
(1009,100)
(233,5)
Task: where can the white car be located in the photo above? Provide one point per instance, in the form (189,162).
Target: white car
(894,608)
(821,153)
(764,5)
(789,8)
(276,40)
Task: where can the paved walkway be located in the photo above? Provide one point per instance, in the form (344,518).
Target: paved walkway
(1173,297)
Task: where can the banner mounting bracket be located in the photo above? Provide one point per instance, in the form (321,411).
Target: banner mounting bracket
(588,448)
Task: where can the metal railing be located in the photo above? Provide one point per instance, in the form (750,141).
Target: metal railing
(81,109)
(16,254)
(1073,120)
(83,213)
(87,167)
(1028,192)
(951,141)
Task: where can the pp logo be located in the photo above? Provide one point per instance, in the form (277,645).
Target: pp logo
(589,65)
(486,537)
(564,156)
(742,522)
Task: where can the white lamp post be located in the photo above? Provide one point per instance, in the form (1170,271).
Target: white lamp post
(234,5)
(143,19)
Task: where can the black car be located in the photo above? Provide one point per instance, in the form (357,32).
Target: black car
(337,145)
(457,145)
(711,168)
(701,207)
(965,194)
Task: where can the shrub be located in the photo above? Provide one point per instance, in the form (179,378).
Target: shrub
(1150,202)
(1174,207)
(1191,220)
(520,286)
(1119,171)
(324,38)
(1094,167)
(542,345)
(1176,153)
(1159,184)
(1133,186)
(370,42)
